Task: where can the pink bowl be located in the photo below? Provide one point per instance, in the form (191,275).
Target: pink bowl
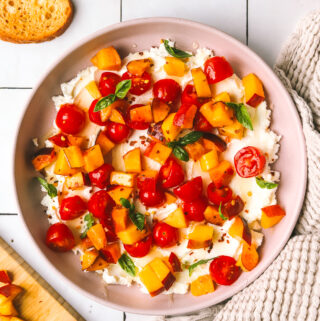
(134,36)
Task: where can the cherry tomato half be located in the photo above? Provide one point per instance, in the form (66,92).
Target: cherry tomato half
(108,83)
(140,125)
(189,96)
(72,207)
(232,208)
(151,198)
(171,173)
(60,140)
(140,248)
(201,124)
(190,190)
(167,90)
(165,235)
(60,238)
(100,204)
(100,176)
(219,195)
(194,210)
(70,119)
(224,271)
(95,116)
(217,69)
(117,132)
(139,84)
(249,161)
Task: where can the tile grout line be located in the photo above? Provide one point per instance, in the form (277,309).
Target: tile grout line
(247,22)
(15,88)
(8,214)
(120,10)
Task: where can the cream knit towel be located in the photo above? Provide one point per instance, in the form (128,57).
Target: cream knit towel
(290,288)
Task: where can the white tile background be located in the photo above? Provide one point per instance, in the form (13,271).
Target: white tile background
(262,25)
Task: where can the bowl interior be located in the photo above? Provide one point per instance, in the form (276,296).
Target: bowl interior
(134,36)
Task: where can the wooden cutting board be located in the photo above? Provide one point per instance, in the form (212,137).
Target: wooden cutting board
(39,301)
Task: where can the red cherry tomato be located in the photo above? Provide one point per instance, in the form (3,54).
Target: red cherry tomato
(108,83)
(217,69)
(100,204)
(219,195)
(60,238)
(60,140)
(201,124)
(107,224)
(249,161)
(194,210)
(171,173)
(117,132)
(140,125)
(165,235)
(95,116)
(70,119)
(224,271)
(190,191)
(72,207)
(147,183)
(139,84)
(140,248)
(100,176)
(233,207)
(151,198)
(189,96)
(166,90)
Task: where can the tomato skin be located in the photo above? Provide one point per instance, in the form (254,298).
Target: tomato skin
(233,207)
(175,262)
(167,90)
(190,190)
(60,238)
(217,69)
(151,198)
(201,124)
(249,162)
(60,140)
(100,204)
(70,119)
(108,82)
(139,84)
(72,207)
(224,271)
(165,235)
(140,248)
(189,96)
(140,125)
(219,195)
(117,132)
(100,176)
(194,210)
(95,116)
(171,173)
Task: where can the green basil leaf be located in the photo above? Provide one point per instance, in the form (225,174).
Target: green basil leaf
(122,88)
(220,213)
(174,51)
(137,219)
(172,144)
(89,223)
(105,102)
(125,203)
(190,138)
(51,189)
(242,114)
(194,265)
(264,184)
(127,264)
(180,153)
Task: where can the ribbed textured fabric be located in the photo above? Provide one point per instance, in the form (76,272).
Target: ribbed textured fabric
(289,289)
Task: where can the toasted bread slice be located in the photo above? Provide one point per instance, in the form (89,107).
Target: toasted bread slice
(25,21)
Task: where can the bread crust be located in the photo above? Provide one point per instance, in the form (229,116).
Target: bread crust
(8,38)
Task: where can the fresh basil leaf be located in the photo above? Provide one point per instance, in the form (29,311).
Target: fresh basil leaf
(51,189)
(220,213)
(127,264)
(180,153)
(125,203)
(190,138)
(172,144)
(89,223)
(105,102)
(242,114)
(194,265)
(137,219)
(174,51)
(264,184)
(122,88)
